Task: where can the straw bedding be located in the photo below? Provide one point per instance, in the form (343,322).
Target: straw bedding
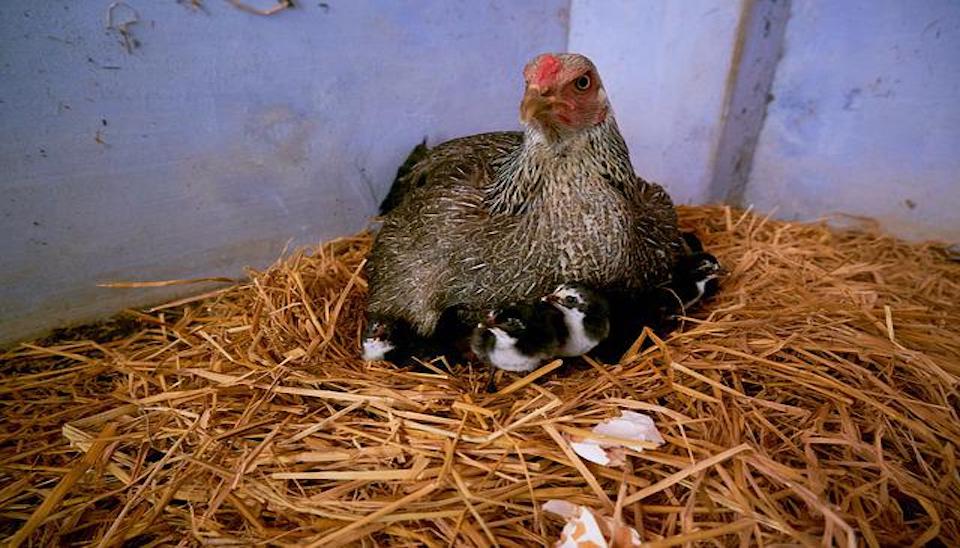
(813,401)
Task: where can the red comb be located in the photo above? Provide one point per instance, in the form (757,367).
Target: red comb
(547,70)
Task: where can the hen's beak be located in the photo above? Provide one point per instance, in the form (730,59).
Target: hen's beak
(534,104)
(551,298)
(490,319)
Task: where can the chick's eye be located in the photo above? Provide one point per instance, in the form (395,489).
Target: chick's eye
(570,300)
(582,83)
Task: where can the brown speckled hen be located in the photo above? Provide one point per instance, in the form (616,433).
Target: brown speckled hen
(486,219)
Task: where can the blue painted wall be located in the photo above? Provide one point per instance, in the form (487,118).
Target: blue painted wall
(224,134)
(866,117)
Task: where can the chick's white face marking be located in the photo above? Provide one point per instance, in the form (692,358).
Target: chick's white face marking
(569,301)
(567,297)
(375,348)
(708,269)
(505,355)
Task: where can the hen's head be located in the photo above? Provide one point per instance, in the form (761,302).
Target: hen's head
(563,95)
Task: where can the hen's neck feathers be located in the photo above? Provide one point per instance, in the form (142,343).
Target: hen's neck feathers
(523,175)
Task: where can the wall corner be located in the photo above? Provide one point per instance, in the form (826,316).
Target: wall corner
(757,50)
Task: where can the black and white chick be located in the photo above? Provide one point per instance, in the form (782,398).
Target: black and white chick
(695,277)
(397,342)
(519,337)
(586,316)
(383,340)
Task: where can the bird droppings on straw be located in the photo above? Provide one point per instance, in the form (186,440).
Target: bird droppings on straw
(813,400)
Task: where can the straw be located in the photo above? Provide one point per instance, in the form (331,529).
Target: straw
(813,401)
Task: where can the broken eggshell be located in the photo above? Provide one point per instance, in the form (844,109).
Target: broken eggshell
(586,529)
(629,426)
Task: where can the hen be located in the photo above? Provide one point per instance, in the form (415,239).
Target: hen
(483,220)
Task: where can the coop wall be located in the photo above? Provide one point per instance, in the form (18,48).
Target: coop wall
(224,136)
(865,117)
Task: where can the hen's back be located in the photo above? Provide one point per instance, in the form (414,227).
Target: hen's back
(456,161)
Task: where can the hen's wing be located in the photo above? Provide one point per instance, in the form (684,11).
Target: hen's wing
(441,199)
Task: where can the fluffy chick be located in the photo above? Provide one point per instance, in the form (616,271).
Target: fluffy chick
(586,316)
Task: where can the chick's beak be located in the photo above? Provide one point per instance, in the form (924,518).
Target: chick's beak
(551,298)
(534,104)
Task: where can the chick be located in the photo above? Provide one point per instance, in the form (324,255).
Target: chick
(695,277)
(383,340)
(586,316)
(398,342)
(520,336)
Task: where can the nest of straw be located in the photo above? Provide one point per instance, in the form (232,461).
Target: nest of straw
(813,401)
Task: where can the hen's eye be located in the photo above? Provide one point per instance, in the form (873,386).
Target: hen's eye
(582,83)
(570,300)
(514,323)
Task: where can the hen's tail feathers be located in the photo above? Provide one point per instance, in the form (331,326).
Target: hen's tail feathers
(401,183)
